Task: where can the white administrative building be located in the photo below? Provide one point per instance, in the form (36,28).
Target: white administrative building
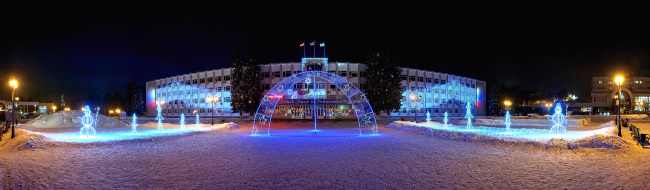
(440,92)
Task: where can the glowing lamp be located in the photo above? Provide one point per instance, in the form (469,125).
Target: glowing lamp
(619,80)
(118,111)
(54,108)
(13,83)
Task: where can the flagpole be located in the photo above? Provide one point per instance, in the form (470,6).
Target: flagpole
(314,48)
(303,49)
(324,51)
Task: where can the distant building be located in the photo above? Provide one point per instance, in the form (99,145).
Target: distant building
(604,92)
(440,92)
(24,108)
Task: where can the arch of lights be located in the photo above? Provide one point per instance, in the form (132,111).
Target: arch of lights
(362,109)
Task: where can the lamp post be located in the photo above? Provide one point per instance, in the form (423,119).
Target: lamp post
(212,100)
(548,108)
(14,85)
(507,103)
(415,118)
(619,81)
(53,109)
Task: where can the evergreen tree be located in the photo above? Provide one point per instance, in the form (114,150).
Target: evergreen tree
(494,96)
(253,84)
(238,85)
(383,82)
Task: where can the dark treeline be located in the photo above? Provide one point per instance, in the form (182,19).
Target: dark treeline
(130,101)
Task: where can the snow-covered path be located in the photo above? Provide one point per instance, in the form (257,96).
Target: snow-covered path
(225,159)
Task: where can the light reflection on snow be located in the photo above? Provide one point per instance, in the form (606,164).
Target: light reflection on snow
(104,136)
(516,133)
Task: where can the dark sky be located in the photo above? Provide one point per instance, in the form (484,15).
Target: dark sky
(84,49)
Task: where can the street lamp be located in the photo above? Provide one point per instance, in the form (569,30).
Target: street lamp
(415,118)
(548,108)
(14,85)
(619,81)
(212,100)
(507,103)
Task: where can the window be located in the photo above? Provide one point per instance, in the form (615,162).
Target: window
(164,85)
(265,74)
(227,99)
(211,79)
(437,81)
(219,79)
(265,86)
(353,74)
(428,80)
(187,82)
(226,78)
(157,86)
(227,89)
(362,74)
(411,78)
(332,86)
(298,85)
(218,89)
(420,79)
(403,77)
(276,74)
(202,80)
(444,81)
(194,81)
(363,86)
(286,74)
(343,73)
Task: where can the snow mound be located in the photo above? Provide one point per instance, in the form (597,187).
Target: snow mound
(590,140)
(231,125)
(73,119)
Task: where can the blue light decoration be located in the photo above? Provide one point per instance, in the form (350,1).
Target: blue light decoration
(468,115)
(507,122)
(134,125)
(359,102)
(96,116)
(197,120)
(159,118)
(182,121)
(445,119)
(87,130)
(428,116)
(558,119)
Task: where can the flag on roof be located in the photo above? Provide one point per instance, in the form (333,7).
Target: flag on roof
(312,43)
(302,45)
(322,44)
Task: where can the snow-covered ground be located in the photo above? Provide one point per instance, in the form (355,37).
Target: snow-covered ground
(295,157)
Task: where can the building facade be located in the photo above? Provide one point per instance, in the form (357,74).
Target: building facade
(635,95)
(440,92)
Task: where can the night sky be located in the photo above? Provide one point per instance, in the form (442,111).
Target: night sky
(83,49)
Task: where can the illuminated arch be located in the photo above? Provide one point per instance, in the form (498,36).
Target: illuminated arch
(623,89)
(362,109)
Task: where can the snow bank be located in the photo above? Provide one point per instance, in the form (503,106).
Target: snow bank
(24,140)
(72,119)
(600,138)
(533,122)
